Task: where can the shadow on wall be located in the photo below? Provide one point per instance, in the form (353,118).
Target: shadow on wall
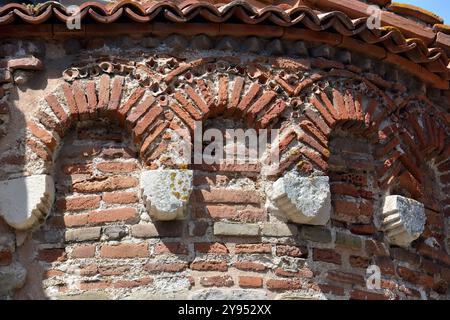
(17,76)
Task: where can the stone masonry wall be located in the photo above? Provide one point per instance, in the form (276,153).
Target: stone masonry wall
(98,116)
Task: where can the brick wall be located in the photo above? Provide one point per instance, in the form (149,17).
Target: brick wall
(100,242)
(107,120)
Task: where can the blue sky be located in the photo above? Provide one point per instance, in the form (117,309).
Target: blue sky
(439,7)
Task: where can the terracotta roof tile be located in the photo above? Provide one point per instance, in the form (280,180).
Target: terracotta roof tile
(415,12)
(302,19)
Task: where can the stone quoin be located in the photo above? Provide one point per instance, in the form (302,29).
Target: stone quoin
(101,196)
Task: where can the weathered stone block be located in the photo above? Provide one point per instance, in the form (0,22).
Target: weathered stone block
(278,230)
(316,234)
(115,232)
(27,200)
(166,192)
(83,234)
(304,200)
(403,219)
(236,229)
(348,241)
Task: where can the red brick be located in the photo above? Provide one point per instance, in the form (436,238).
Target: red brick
(76,220)
(359,262)
(112,215)
(153,135)
(365,295)
(52,255)
(124,250)
(133,283)
(116,93)
(377,248)
(117,167)
(104,184)
(226,196)
(195,114)
(171,247)
(415,277)
(113,270)
(77,169)
(318,121)
(165,267)
(430,267)
(249,266)
(132,99)
(404,255)
(214,247)
(78,203)
(81,101)
(235,95)
(140,110)
(70,101)
(363,229)
(91,93)
(274,112)
(5,257)
(303,272)
(222,94)
(292,251)
(326,288)
(209,266)
(52,273)
(58,110)
(219,212)
(120,197)
(197,100)
(250,282)
(46,137)
(283,285)
(204,87)
(323,111)
(39,150)
(97,285)
(345,277)
(253,248)
(142,126)
(259,105)
(314,157)
(184,116)
(326,255)
(217,281)
(386,265)
(103,93)
(85,251)
(89,270)
(247,99)
(306,139)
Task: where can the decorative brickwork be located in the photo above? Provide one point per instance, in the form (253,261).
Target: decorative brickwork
(362,117)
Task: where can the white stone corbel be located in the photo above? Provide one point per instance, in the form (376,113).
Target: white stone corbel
(166,192)
(304,200)
(27,200)
(403,219)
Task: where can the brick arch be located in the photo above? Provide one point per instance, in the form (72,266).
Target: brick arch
(218,87)
(415,148)
(107,97)
(390,127)
(330,102)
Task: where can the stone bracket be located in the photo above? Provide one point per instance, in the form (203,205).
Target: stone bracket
(304,200)
(403,219)
(166,192)
(26,201)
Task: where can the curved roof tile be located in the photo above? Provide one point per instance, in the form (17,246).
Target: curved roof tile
(291,14)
